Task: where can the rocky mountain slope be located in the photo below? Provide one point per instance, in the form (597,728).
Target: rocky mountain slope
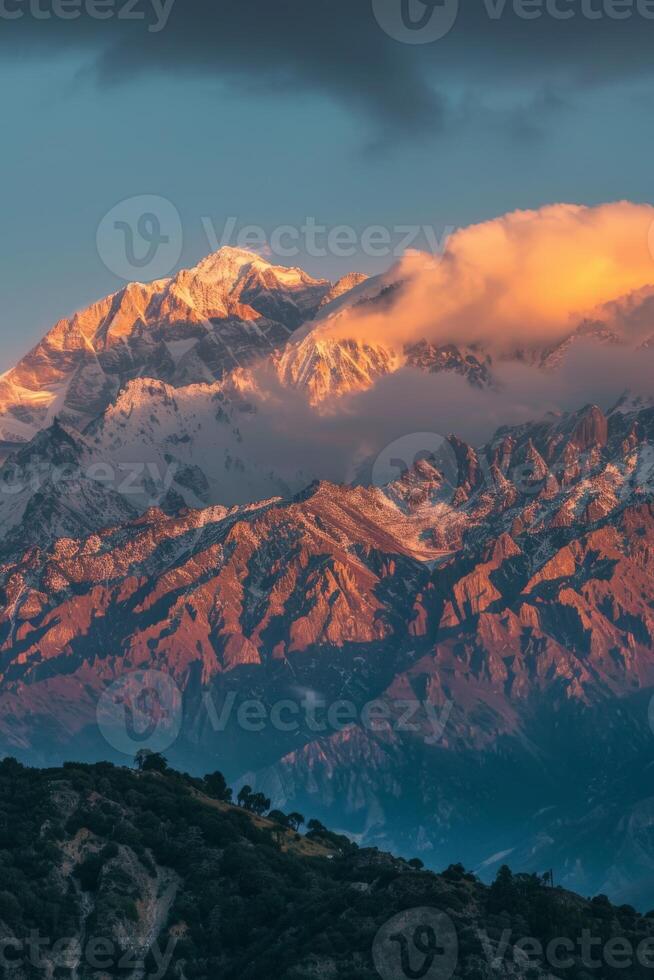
(195,327)
(163,378)
(503,623)
(235,309)
(142,874)
(498,616)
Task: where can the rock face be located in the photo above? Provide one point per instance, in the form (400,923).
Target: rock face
(507,635)
(474,365)
(326,369)
(502,624)
(232,310)
(343,286)
(229,309)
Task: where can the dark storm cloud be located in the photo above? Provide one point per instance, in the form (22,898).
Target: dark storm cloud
(338,48)
(333,47)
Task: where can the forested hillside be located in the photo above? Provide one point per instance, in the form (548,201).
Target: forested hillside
(109,871)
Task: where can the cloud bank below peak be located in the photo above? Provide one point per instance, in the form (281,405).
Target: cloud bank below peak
(523,280)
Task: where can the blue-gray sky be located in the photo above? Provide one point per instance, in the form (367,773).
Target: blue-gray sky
(273,112)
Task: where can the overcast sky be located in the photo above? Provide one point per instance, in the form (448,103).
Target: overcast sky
(271,112)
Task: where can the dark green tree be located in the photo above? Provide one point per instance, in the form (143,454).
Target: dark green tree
(503,894)
(259,804)
(244,797)
(216,786)
(278,817)
(149,761)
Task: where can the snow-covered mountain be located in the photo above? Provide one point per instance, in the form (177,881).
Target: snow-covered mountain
(192,328)
(158,387)
(513,603)
(515,615)
(235,310)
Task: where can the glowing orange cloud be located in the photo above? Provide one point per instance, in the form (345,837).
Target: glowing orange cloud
(523,279)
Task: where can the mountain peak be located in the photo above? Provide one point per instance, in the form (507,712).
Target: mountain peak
(344,285)
(591,428)
(231,308)
(228,259)
(231,264)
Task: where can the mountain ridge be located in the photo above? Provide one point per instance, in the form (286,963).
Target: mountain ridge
(502,589)
(230,307)
(521,596)
(174,879)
